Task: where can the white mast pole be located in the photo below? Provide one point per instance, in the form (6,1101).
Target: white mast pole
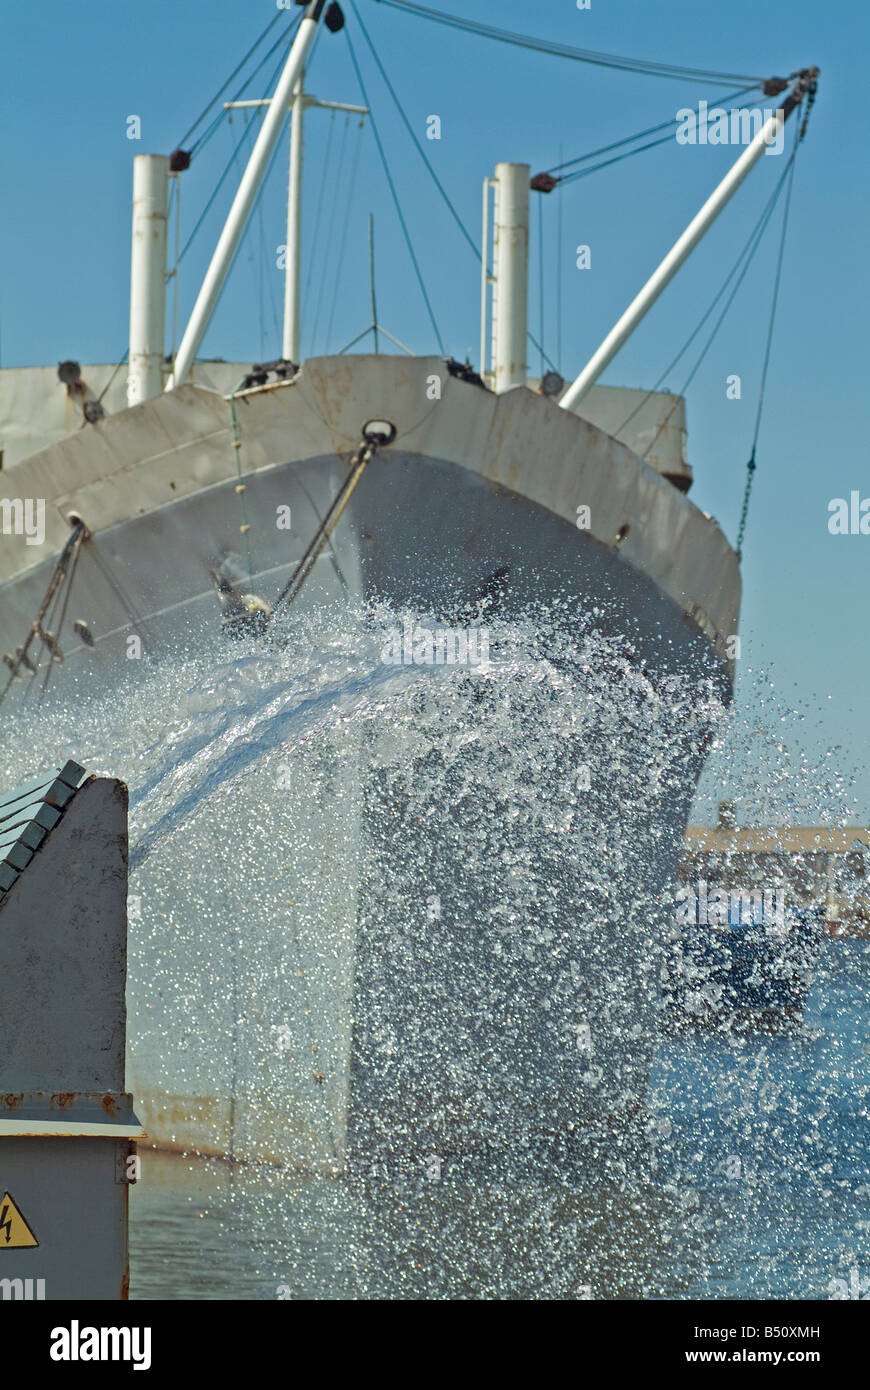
(243,202)
(292,280)
(148,277)
(484,278)
(511,274)
(681,250)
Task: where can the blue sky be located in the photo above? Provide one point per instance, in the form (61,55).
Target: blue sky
(70,79)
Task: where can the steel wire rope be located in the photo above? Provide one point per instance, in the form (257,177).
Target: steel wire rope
(757,231)
(690,378)
(331,225)
(118,367)
(344,231)
(240,486)
(407,124)
(67,591)
(117,588)
(257,271)
(282,39)
(249,127)
(273,303)
(324,170)
(451,208)
(663,425)
(751,464)
(639,135)
(626,154)
(644,66)
(395,196)
(46,627)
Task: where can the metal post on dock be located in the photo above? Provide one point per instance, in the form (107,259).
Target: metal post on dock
(67,1128)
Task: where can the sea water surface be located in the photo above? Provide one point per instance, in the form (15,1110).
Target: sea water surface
(758,1187)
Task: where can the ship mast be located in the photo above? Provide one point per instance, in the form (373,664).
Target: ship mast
(293,260)
(247,191)
(293,250)
(684,246)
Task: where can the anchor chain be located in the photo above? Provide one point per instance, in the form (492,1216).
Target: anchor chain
(62,575)
(376,435)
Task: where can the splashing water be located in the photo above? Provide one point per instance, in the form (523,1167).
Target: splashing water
(440,892)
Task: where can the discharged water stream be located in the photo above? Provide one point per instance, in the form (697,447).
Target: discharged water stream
(447,885)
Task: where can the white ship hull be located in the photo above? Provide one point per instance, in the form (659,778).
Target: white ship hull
(369,1025)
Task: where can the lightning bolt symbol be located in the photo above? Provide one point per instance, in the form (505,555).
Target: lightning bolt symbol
(4,1224)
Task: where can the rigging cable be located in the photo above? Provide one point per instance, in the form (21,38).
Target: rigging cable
(332,222)
(366,451)
(273,302)
(136,619)
(67,590)
(120,364)
(628,139)
(432,174)
(239,93)
(410,129)
(395,195)
(249,127)
(751,242)
(750,466)
(49,638)
(240,487)
(58,577)
(372,294)
(344,232)
(318,216)
(582,55)
(565,179)
(690,378)
(549,361)
(258,267)
(201,117)
(650,145)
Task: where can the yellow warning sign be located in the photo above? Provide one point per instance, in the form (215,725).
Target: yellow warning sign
(15,1234)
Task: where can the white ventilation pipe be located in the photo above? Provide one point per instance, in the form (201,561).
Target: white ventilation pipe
(148,277)
(510,295)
